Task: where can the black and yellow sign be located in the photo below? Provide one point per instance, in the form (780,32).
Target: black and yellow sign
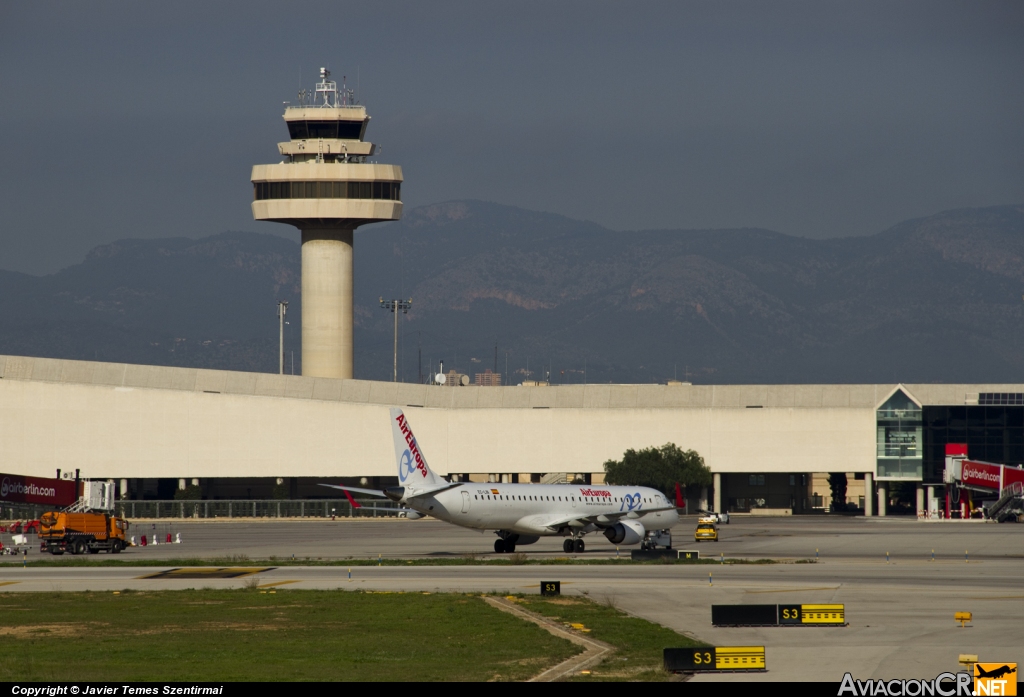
(715,658)
(689,554)
(831,615)
(209,572)
(550,587)
(995,679)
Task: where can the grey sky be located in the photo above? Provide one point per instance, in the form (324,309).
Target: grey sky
(124,119)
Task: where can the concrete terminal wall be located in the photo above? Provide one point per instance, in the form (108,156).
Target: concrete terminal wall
(118,420)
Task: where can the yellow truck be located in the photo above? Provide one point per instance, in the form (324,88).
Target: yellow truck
(81,533)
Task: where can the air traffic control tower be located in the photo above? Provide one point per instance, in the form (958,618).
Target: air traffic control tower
(325,187)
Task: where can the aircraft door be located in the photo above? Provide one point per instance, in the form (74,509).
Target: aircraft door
(465,502)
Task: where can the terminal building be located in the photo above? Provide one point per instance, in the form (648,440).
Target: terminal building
(237,435)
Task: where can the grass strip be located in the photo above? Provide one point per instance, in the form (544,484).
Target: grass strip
(639,643)
(249,635)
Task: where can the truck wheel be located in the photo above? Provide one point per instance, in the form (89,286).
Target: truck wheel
(81,547)
(116,547)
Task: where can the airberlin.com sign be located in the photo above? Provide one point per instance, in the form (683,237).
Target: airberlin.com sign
(17,489)
(978,474)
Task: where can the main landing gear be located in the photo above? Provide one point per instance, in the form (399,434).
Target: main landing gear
(574,545)
(501,545)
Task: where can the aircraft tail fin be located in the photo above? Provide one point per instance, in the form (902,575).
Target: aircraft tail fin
(413,470)
(680,502)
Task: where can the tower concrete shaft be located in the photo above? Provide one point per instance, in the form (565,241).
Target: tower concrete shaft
(326,187)
(327,302)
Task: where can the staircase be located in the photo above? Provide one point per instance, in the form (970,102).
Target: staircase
(555,478)
(1000,509)
(79,506)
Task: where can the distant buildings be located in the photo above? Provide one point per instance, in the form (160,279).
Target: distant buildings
(488,378)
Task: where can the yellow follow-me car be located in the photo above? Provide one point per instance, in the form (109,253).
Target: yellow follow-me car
(706,530)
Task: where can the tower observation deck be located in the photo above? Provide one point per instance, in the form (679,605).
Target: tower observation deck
(325,187)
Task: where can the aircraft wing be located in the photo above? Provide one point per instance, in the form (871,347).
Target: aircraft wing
(414,494)
(602,519)
(369,492)
(434,490)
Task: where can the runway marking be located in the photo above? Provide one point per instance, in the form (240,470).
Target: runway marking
(278,583)
(979,597)
(208,572)
(798,590)
(8,583)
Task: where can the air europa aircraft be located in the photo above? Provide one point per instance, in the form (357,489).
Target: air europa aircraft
(520,514)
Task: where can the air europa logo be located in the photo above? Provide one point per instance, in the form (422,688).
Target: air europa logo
(413,451)
(405,467)
(595,492)
(631,501)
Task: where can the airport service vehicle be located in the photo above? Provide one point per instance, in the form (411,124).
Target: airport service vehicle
(520,514)
(79,533)
(716,517)
(706,531)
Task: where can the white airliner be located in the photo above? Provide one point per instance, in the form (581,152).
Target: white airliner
(523,513)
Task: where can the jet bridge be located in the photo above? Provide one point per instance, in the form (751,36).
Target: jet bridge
(988,479)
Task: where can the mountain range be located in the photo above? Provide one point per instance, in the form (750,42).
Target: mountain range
(935,299)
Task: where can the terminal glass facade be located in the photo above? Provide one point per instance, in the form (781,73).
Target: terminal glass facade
(900,439)
(992,434)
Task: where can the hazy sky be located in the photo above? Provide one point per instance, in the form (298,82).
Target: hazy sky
(128,119)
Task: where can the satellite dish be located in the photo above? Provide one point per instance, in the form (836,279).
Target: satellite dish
(464,380)
(440,377)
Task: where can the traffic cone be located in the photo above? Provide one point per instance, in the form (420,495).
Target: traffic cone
(168,538)
(177,538)
(143,540)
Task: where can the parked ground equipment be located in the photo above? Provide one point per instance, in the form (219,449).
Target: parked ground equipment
(81,533)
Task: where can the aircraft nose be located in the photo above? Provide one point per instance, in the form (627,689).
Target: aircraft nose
(395,493)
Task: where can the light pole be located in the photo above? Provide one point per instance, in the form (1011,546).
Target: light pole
(395,306)
(282,309)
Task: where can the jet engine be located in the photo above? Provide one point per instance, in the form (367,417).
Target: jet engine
(628,532)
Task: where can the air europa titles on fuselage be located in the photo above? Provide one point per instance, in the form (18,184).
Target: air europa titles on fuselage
(414,447)
(596,492)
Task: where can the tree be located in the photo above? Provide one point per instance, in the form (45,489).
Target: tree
(189,493)
(659,468)
(837,482)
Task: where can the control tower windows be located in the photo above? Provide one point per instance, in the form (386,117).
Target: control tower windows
(388,191)
(345,130)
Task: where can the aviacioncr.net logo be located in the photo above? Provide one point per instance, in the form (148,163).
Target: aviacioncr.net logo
(406,466)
